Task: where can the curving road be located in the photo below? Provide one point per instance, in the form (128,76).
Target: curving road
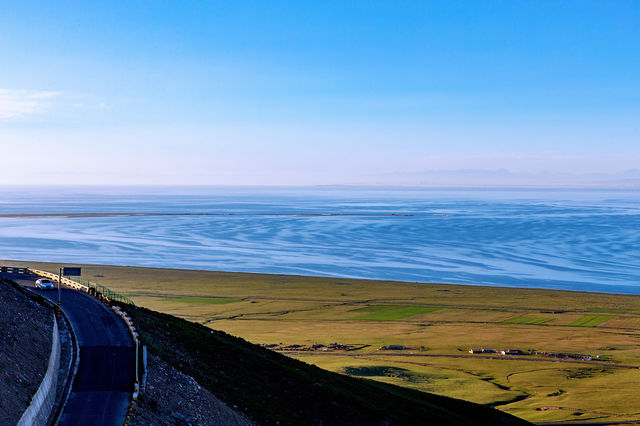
(103,385)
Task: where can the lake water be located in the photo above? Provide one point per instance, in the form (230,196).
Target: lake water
(566,239)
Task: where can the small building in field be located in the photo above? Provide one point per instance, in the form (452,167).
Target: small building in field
(393,348)
(482,351)
(511,352)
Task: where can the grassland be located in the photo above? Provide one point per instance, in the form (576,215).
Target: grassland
(206,300)
(591,320)
(273,389)
(437,323)
(527,320)
(391,312)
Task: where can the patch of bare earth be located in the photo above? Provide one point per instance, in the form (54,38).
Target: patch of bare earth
(25,346)
(173,398)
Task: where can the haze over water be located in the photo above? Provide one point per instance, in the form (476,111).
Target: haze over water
(552,238)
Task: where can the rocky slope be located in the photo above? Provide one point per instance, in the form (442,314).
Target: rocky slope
(25,344)
(173,398)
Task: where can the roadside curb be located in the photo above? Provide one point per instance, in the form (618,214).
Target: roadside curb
(134,334)
(74,359)
(43,401)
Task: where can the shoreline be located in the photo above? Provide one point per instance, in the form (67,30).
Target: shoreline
(6,262)
(126,214)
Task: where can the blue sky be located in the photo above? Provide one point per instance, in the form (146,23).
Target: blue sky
(345,92)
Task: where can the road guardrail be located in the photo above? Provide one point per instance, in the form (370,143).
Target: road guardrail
(64,280)
(14,269)
(136,340)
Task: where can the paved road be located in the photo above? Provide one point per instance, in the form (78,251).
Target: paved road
(103,385)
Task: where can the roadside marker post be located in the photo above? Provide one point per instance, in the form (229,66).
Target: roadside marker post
(59,281)
(137,357)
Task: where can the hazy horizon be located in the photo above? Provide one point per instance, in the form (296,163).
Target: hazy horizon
(462,178)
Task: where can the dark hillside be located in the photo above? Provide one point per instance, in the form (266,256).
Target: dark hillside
(25,345)
(273,389)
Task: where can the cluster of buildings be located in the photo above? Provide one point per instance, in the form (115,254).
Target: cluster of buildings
(316,347)
(494,351)
(581,357)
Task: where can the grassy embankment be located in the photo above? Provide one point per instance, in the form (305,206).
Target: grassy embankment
(437,323)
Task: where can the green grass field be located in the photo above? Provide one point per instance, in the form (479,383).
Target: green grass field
(527,320)
(437,323)
(616,310)
(591,320)
(391,312)
(212,300)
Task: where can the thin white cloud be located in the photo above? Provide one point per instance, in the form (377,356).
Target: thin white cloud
(17,104)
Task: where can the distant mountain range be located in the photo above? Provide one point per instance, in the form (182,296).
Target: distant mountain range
(477,177)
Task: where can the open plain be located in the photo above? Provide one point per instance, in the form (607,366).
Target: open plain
(573,355)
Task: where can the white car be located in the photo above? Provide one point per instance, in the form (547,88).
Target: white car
(44,284)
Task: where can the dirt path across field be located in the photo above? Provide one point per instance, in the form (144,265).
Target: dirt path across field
(500,358)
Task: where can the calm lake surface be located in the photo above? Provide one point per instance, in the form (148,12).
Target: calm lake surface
(565,239)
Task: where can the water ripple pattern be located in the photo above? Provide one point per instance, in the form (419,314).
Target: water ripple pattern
(567,239)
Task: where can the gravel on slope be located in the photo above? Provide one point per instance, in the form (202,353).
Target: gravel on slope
(26,329)
(174,398)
